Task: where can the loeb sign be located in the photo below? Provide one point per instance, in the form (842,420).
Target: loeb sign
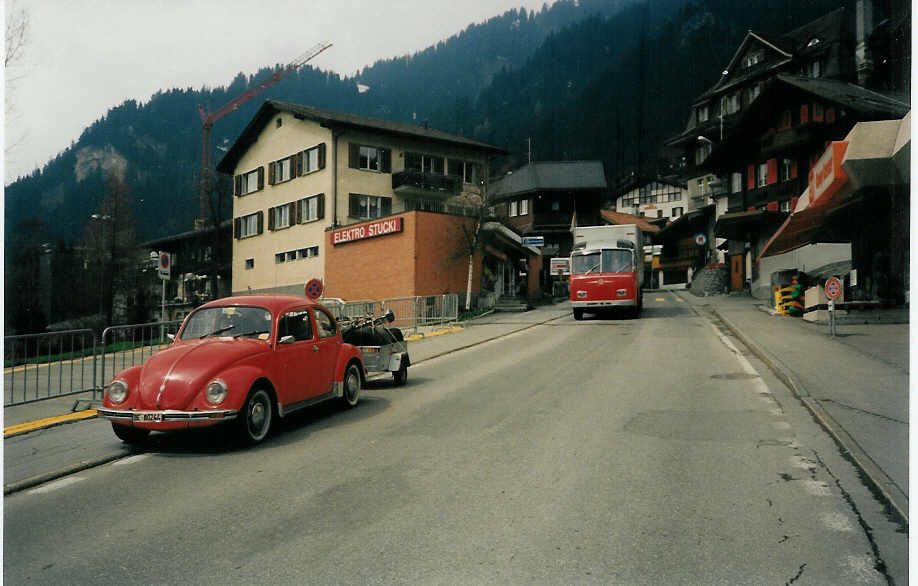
(827,176)
(364,231)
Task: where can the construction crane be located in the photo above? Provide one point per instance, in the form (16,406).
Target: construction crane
(207,123)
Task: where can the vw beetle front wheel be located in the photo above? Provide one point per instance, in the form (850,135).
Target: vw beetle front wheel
(256,417)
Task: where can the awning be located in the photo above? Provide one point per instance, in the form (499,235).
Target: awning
(736,225)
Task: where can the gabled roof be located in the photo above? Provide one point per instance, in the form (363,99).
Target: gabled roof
(620,218)
(550,176)
(334,119)
(849,95)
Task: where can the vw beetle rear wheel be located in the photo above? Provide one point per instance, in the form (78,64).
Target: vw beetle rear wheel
(256,416)
(130,435)
(351,383)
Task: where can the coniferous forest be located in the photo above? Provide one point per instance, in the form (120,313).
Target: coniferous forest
(581,79)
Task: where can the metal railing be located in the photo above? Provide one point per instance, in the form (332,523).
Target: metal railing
(40,366)
(410,313)
(126,346)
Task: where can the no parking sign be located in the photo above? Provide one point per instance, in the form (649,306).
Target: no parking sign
(833,287)
(314,289)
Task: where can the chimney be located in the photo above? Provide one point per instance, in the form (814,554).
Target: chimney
(863,26)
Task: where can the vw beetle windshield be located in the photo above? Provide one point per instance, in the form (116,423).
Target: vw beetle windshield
(251,322)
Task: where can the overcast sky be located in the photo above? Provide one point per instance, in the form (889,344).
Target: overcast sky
(83,57)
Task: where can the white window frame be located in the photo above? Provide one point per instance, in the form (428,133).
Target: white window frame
(372,201)
(513,209)
(368,152)
(309,207)
(736,182)
(281,217)
(249,182)
(283,170)
(761,175)
(784,171)
(784,206)
(248,226)
(524,207)
(703,113)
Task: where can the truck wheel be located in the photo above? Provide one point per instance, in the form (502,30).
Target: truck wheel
(578,314)
(400,376)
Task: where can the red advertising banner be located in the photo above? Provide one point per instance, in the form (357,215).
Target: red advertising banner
(827,176)
(382,227)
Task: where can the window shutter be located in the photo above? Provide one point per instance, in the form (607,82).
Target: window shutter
(793,169)
(772,171)
(772,206)
(298,164)
(271,215)
(793,203)
(751,183)
(291,209)
(261,221)
(237,227)
(322,156)
(261,178)
(804,114)
(271,173)
(817,113)
(237,185)
(299,211)
(353,159)
(830,115)
(320,206)
(385,160)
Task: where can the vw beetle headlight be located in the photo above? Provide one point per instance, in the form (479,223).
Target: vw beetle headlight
(117,391)
(216,392)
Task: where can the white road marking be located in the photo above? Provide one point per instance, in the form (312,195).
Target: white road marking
(51,486)
(130,460)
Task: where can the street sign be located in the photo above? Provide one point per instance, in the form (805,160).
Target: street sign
(164,267)
(314,288)
(701,239)
(533,241)
(833,288)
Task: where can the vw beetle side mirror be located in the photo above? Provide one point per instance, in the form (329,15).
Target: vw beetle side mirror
(288,339)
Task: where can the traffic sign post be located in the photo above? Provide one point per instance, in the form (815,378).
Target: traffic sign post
(833,288)
(164,268)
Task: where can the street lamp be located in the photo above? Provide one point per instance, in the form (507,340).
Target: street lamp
(107,278)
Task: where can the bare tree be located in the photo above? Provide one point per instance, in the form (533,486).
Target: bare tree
(17,34)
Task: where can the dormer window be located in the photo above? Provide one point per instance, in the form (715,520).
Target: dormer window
(814,69)
(753,57)
(703,113)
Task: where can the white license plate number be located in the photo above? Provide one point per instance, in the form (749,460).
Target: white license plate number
(148,417)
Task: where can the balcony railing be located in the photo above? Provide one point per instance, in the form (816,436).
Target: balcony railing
(411,182)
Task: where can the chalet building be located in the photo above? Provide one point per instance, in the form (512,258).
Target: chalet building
(375,209)
(752,139)
(200,271)
(548,198)
(659,198)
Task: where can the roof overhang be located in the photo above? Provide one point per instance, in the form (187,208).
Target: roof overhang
(737,225)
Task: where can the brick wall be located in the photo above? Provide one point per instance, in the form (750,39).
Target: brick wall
(442,266)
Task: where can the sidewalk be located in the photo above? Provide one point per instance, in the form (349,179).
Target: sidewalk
(855,384)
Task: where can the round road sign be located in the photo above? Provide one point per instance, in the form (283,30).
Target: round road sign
(314,289)
(833,287)
(701,239)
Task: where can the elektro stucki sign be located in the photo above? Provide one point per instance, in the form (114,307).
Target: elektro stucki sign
(364,231)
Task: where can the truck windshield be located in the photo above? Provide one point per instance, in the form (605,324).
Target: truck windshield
(609,261)
(585,263)
(616,261)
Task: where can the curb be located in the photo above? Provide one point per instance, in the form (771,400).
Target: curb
(27,483)
(884,486)
(416,337)
(30,426)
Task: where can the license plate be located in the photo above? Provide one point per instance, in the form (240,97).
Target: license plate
(148,416)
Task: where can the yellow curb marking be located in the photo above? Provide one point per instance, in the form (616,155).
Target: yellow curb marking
(660,299)
(33,425)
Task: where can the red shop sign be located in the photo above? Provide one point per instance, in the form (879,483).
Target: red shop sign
(382,227)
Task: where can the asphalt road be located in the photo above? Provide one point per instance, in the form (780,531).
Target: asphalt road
(647,451)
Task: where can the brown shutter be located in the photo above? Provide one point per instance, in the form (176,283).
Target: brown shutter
(804,114)
(793,169)
(320,207)
(271,218)
(237,227)
(261,221)
(271,173)
(772,166)
(322,156)
(751,182)
(293,172)
(292,211)
(261,178)
(298,164)
(385,160)
(353,159)
(237,185)
(299,211)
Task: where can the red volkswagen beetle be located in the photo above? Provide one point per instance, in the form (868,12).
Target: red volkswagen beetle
(245,360)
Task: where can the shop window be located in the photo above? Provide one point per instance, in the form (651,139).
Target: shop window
(676,212)
(659,213)
(367,207)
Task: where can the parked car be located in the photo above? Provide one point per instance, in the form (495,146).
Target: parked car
(242,361)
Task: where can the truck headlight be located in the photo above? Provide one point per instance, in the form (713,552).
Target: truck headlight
(117,391)
(216,392)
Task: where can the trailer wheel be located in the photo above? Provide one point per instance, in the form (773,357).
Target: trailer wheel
(400,376)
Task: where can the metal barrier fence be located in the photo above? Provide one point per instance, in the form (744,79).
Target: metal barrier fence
(125,346)
(39,366)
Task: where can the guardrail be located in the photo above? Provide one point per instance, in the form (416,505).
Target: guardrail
(125,346)
(39,366)
(410,313)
